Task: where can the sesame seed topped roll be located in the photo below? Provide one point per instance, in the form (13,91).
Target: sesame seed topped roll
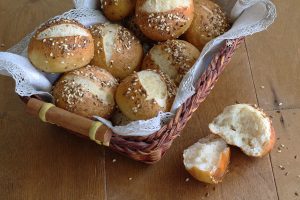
(163,20)
(209,22)
(144,94)
(116,49)
(88,91)
(173,57)
(116,10)
(61,45)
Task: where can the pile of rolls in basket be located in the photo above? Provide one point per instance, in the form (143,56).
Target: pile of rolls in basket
(106,71)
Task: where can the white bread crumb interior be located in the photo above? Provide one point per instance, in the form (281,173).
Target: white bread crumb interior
(155,87)
(62,30)
(243,126)
(153,6)
(204,154)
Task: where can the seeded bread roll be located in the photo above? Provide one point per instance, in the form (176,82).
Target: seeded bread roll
(173,57)
(163,20)
(116,10)
(87,91)
(60,46)
(143,95)
(116,49)
(209,22)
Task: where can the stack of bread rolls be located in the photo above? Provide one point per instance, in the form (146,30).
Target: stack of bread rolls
(106,72)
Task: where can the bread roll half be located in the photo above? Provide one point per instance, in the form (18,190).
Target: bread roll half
(246,127)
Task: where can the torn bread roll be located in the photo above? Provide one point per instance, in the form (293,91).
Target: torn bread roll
(209,22)
(116,49)
(143,95)
(61,45)
(163,20)
(88,91)
(173,57)
(246,127)
(208,159)
(116,10)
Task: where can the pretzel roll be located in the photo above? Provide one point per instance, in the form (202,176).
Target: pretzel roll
(163,20)
(173,57)
(143,95)
(88,91)
(61,45)
(116,49)
(116,10)
(209,22)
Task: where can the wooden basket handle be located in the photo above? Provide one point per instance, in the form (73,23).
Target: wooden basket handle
(48,112)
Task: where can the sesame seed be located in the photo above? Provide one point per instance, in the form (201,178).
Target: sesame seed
(280,104)
(187,180)
(130,178)
(114,160)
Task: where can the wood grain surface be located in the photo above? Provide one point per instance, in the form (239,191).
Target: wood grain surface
(40,161)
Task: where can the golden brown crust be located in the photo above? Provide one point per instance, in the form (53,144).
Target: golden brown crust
(162,26)
(116,10)
(60,54)
(71,95)
(127,52)
(209,22)
(131,98)
(180,54)
(216,176)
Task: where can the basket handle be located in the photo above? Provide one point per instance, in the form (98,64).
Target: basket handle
(48,112)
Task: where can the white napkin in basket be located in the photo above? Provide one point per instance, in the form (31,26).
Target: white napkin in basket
(248,17)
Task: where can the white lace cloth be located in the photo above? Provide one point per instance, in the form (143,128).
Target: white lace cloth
(248,17)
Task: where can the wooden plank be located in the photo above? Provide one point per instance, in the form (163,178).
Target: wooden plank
(275,59)
(40,161)
(286,157)
(166,179)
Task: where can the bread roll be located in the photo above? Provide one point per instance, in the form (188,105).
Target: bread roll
(116,10)
(209,22)
(208,159)
(116,49)
(163,20)
(246,127)
(61,45)
(173,57)
(87,91)
(143,95)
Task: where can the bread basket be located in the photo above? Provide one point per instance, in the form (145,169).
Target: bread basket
(146,149)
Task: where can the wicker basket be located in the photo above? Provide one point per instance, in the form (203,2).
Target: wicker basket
(149,149)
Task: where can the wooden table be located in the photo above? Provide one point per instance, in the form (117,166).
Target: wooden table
(41,161)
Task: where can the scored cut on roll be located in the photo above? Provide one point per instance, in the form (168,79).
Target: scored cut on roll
(208,159)
(246,127)
(163,20)
(88,91)
(61,45)
(116,49)
(173,57)
(143,95)
(209,22)
(116,10)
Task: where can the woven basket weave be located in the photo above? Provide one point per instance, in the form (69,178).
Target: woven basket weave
(150,149)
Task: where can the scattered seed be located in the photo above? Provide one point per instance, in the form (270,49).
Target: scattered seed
(114,160)
(262,87)
(130,178)
(280,104)
(279,151)
(187,180)
(281,167)
(286,174)
(206,194)
(282,145)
